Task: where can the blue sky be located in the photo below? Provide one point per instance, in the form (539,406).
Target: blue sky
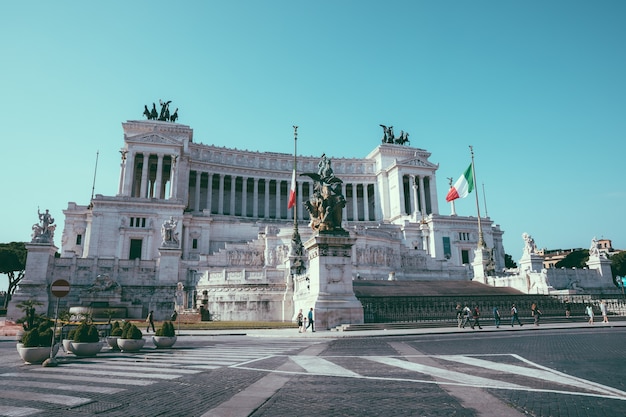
(537,88)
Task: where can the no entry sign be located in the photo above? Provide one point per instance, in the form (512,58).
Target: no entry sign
(60,288)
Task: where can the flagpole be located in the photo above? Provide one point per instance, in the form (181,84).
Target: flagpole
(481,241)
(297,249)
(295,169)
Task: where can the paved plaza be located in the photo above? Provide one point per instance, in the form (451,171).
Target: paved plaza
(569,369)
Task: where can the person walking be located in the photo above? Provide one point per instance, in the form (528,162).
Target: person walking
(300,320)
(467,317)
(496,317)
(514,316)
(535,312)
(459,315)
(589,311)
(604,311)
(150,321)
(311,322)
(568,309)
(475,316)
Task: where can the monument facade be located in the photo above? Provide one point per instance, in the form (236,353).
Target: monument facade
(215,221)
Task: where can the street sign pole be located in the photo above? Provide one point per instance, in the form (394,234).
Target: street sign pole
(59,288)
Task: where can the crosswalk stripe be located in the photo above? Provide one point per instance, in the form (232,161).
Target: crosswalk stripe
(317,365)
(66,400)
(61,387)
(458,377)
(79,378)
(9,411)
(106,372)
(135,367)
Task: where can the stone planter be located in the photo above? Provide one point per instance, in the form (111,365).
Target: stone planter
(85,348)
(67,345)
(163,341)
(35,355)
(130,345)
(112,342)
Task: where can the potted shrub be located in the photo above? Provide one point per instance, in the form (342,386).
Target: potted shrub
(35,344)
(131,339)
(116,332)
(86,341)
(165,336)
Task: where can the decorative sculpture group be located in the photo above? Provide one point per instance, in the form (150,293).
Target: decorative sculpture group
(164,115)
(43,232)
(529,244)
(327,202)
(388,136)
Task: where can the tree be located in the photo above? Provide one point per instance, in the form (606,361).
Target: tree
(618,266)
(12,263)
(575,259)
(509,262)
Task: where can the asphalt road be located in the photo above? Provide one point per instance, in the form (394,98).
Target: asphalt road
(562,372)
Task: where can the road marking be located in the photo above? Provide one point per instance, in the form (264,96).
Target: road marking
(66,400)
(8,411)
(317,365)
(504,373)
(457,377)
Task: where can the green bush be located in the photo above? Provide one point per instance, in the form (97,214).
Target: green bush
(131,332)
(167,329)
(86,333)
(35,338)
(116,329)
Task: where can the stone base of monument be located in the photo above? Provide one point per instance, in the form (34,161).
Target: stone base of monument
(330,282)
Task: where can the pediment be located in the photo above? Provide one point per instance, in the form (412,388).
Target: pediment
(153,138)
(417,162)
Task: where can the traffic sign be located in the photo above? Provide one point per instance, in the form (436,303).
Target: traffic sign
(60,288)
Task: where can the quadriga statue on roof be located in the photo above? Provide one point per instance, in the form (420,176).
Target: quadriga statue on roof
(326,204)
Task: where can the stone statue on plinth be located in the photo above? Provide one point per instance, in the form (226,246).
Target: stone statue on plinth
(529,244)
(169,234)
(326,204)
(43,232)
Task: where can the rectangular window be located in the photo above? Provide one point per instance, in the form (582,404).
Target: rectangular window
(79,239)
(135,249)
(447,252)
(465,256)
(194,244)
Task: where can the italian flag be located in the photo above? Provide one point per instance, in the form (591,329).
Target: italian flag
(463,186)
(292,191)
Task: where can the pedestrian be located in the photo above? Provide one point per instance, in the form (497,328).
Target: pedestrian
(476,315)
(311,321)
(300,320)
(514,316)
(174,316)
(535,312)
(496,317)
(589,310)
(568,309)
(459,315)
(150,321)
(467,317)
(603,310)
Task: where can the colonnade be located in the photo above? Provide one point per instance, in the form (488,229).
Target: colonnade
(151,175)
(255,197)
(418,200)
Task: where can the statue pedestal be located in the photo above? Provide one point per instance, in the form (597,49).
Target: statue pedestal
(480,265)
(34,285)
(531,261)
(168,265)
(603,266)
(330,290)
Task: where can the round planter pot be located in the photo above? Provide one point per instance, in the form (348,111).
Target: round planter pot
(86,349)
(112,342)
(130,345)
(35,355)
(163,341)
(67,345)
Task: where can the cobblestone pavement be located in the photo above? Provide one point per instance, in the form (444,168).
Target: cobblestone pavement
(555,372)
